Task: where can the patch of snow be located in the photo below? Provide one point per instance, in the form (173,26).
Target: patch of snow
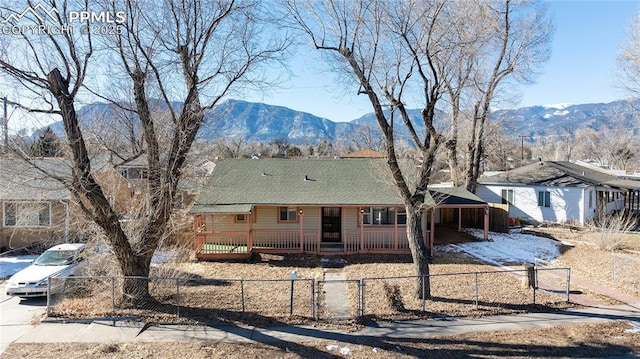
(345,351)
(510,247)
(12,265)
(559,106)
(635,329)
(560,113)
(332,347)
(164,256)
(547,116)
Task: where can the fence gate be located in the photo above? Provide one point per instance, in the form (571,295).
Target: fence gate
(338,299)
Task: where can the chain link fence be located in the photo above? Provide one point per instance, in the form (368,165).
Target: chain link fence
(338,299)
(473,293)
(625,269)
(197,299)
(204,300)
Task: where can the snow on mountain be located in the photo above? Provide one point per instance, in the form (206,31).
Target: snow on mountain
(264,123)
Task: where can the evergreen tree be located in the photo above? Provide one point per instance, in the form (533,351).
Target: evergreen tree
(47,145)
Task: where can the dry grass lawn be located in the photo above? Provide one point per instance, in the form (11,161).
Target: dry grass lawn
(454,296)
(597,265)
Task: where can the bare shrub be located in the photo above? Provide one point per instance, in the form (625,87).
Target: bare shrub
(611,229)
(394,297)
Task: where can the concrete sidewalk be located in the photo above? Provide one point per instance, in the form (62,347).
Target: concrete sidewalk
(127,331)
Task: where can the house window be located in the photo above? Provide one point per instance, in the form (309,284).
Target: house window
(288,214)
(132,173)
(590,199)
(383,215)
(508,196)
(241,218)
(27,214)
(544,199)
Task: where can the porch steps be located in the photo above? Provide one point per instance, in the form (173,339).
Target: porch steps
(331,247)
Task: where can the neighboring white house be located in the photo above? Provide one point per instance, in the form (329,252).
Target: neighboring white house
(561,192)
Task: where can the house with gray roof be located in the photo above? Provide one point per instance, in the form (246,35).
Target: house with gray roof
(35,207)
(339,206)
(559,192)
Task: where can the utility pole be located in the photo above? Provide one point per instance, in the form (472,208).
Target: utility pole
(5,127)
(521,149)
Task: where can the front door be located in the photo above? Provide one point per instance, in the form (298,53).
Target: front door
(331,225)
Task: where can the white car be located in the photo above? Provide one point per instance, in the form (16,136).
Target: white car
(63,260)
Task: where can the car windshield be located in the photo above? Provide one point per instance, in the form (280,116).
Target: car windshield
(55,258)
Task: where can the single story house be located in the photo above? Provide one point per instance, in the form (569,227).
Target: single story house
(559,191)
(34,206)
(339,206)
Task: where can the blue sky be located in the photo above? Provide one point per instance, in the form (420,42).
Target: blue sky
(582,67)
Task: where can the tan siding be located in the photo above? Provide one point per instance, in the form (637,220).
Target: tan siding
(224,223)
(350,218)
(15,237)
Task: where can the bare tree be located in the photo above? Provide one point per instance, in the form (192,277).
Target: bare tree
(519,41)
(629,59)
(179,59)
(366,137)
(389,50)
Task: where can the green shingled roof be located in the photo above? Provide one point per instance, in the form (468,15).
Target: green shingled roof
(455,196)
(282,182)
(236,185)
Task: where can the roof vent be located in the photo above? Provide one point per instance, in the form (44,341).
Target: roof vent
(306,178)
(264,173)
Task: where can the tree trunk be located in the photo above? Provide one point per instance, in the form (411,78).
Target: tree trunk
(135,285)
(418,252)
(134,267)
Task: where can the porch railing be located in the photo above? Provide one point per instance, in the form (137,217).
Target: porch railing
(223,242)
(277,240)
(375,240)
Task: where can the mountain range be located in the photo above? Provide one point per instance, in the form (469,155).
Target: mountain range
(263,123)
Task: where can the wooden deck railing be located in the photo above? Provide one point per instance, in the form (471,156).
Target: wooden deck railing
(235,244)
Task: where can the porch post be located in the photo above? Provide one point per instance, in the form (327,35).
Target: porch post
(196,230)
(362,229)
(460,219)
(486,223)
(433,229)
(250,236)
(395,230)
(301,229)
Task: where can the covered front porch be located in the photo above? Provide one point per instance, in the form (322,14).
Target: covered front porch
(319,230)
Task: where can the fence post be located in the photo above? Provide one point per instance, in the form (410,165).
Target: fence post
(535,283)
(313,296)
(476,285)
(178,297)
(292,277)
(113,294)
(613,266)
(568,283)
(363,295)
(424,297)
(48,295)
(242,294)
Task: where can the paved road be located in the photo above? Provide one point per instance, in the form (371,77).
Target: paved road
(17,317)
